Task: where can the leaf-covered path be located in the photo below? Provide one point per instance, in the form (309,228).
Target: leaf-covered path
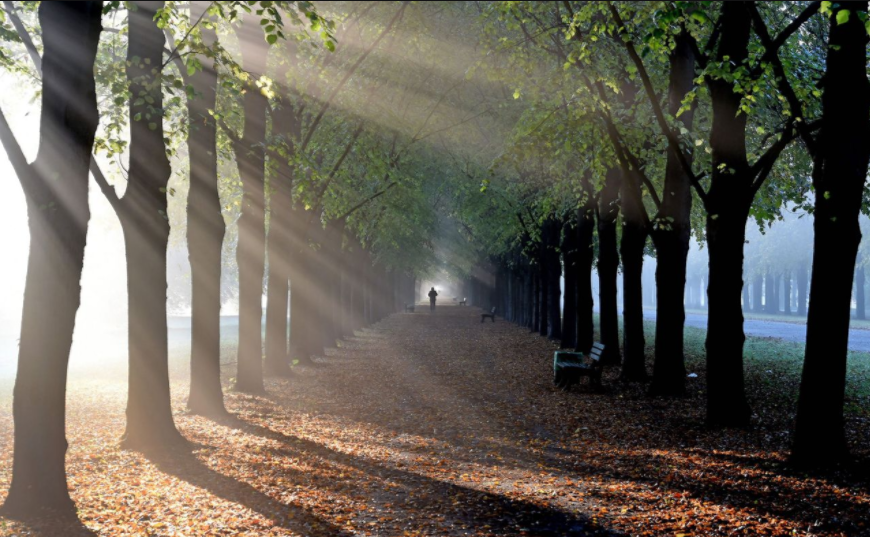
(440,425)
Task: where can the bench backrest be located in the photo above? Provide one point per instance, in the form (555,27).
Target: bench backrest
(596,352)
(493,310)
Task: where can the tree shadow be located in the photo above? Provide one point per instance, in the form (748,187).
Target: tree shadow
(45,525)
(188,468)
(502,515)
(765,494)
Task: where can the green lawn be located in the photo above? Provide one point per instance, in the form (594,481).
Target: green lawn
(773,370)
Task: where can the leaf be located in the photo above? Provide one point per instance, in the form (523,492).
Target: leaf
(843,16)
(700,16)
(272,39)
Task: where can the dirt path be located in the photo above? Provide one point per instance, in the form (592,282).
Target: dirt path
(436,424)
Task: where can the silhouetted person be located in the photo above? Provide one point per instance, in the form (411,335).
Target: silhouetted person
(432,295)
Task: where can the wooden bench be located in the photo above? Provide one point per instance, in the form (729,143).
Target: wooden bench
(568,367)
(491,315)
(409,308)
(463,302)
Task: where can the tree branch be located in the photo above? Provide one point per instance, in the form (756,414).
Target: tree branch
(361,204)
(795,25)
(24,35)
(174,52)
(673,142)
(771,54)
(13,150)
(108,190)
(338,164)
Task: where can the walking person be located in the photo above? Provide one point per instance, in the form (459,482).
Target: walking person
(432,295)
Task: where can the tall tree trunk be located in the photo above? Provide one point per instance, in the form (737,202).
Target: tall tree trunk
(56,189)
(777,294)
(251,249)
(554,269)
(802,288)
(746,301)
(608,267)
(205,235)
(786,293)
(757,289)
(333,258)
(770,296)
(671,238)
(285,117)
(632,250)
(146,235)
(585,255)
(860,304)
(536,298)
(359,276)
(569,260)
(544,276)
(303,333)
(839,171)
(728,201)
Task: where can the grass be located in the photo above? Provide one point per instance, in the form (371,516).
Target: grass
(769,361)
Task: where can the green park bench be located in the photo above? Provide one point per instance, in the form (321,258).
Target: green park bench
(463,302)
(491,315)
(568,367)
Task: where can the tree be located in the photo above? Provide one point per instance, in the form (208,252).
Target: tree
(251,250)
(143,216)
(56,188)
(205,229)
(840,159)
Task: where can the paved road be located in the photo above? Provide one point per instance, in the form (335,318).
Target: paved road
(859,340)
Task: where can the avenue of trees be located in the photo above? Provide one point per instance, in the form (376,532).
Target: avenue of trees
(334,154)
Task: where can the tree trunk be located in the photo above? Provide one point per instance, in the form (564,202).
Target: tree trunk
(632,249)
(205,236)
(726,404)
(544,276)
(281,217)
(554,273)
(585,255)
(746,302)
(333,258)
(777,295)
(802,288)
(570,258)
(671,238)
(728,201)
(839,171)
(536,298)
(146,235)
(786,293)
(757,289)
(769,294)
(251,249)
(302,316)
(608,267)
(860,305)
(56,189)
